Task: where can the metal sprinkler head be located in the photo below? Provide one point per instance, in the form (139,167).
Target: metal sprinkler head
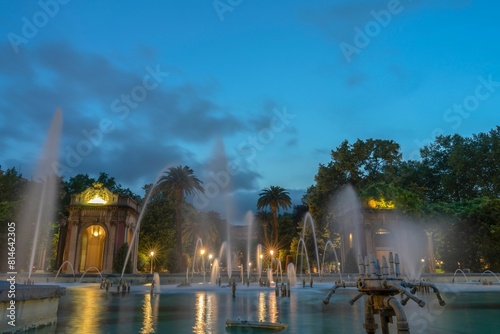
(380,285)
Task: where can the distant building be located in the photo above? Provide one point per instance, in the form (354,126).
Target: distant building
(99,223)
(379,229)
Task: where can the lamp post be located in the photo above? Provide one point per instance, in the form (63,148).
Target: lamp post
(210,256)
(272,258)
(202,252)
(152,254)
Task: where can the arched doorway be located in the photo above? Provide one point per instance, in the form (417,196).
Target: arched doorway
(92,248)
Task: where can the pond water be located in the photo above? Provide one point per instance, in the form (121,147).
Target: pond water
(204,309)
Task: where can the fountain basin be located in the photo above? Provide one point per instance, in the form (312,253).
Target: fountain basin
(35,306)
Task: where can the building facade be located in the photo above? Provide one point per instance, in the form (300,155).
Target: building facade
(99,223)
(380,230)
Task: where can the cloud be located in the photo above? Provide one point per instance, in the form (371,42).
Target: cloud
(168,126)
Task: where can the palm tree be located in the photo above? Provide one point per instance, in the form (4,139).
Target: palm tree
(275,197)
(264,217)
(180,181)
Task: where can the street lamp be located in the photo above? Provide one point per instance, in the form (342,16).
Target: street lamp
(272,258)
(152,254)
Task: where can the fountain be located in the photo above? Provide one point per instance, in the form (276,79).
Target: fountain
(139,220)
(215,274)
(270,277)
(329,242)
(225,248)
(198,242)
(60,268)
(291,274)
(249,220)
(308,218)
(259,259)
(492,273)
(156,283)
(462,272)
(36,305)
(42,196)
(381,284)
(92,267)
(304,250)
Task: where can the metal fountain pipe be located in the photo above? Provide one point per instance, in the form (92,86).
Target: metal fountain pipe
(361,266)
(404,291)
(385,268)
(391,264)
(396,262)
(356,298)
(335,287)
(373,261)
(370,325)
(330,293)
(394,304)
(435,290)
(367,267)
(406,299)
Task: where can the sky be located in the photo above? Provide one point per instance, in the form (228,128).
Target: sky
(248,94)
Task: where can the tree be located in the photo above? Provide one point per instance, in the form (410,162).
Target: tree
(264,218)
(275,197)
(200,225)
(359,164)
(11,185)
(180,181)
(119,260)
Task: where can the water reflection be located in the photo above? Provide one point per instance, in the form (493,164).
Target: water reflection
(150,308)
(206,313)
(268,307)
(88,318)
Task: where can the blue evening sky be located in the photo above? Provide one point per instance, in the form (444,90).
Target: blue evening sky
(266,87)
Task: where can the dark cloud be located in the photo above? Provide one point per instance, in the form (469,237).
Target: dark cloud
(138,141)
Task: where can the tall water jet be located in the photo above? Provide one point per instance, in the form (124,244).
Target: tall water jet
(215,274)
(249,221)
(41,194)
(156,280)
(348,210)
(221,198)
(224,248)
(330,243)
(198,242)
(308,219)
(139,220)
(291,274)
(259,259)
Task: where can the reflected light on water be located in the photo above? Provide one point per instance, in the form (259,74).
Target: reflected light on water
(87,321)
(262,307)
(206,316)
(150,309)
(268,307)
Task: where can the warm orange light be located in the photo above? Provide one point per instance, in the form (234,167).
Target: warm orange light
(380,203)
(202,252)
(152,253)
